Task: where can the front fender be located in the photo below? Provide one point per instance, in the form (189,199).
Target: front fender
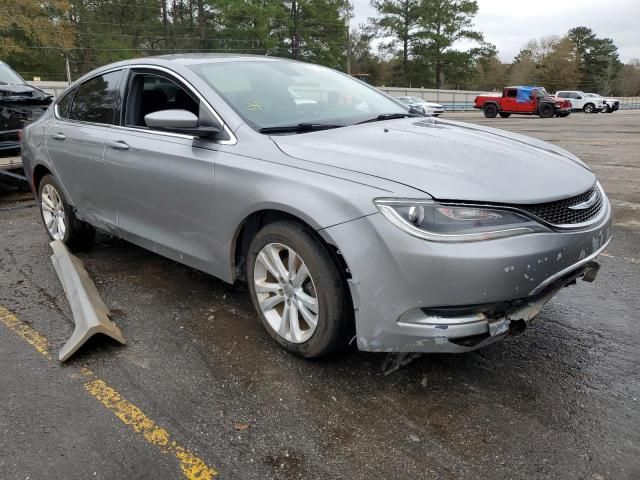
(246,185)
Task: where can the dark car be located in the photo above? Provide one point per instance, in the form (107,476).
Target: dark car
(19,104)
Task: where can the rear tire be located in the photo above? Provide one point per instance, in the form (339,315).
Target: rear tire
(290,274)
(589,108)
(59,219)
(546,110)
(505,115)
(490,110)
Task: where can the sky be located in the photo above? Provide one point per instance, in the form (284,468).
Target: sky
(510,24)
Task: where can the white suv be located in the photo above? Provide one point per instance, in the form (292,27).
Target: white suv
(610,104)
(580,101)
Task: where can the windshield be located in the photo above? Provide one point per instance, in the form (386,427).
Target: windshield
(8,76)
(417,100)
(269,94)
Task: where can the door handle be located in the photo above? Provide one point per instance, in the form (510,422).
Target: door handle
(118,145)
(58,136)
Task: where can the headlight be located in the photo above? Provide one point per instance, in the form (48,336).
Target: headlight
(432,221)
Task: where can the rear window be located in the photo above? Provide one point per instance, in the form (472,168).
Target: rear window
(512,93)
(64,104)
(98,100)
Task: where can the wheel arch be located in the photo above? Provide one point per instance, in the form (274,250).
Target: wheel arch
(253,222)
(39,171)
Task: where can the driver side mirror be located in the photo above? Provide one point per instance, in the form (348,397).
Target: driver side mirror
(579,97)
(181,121)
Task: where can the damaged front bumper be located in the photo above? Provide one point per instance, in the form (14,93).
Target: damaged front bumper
(412,295)
(462,329)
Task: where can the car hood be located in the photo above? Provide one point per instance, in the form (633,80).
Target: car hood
(447,160)
(23,93)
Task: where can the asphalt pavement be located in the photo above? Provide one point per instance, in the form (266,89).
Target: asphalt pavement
(201,391)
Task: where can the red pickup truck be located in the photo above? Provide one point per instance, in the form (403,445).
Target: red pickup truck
(523,101)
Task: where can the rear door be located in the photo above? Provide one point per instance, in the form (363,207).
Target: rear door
(162,182)
(577,101)
(508,103)
(75,142)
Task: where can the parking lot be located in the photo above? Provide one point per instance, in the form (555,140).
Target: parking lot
(201,390)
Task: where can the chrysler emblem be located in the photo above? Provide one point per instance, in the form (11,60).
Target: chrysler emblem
(587,203)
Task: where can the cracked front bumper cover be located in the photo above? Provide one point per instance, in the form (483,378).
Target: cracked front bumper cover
(468,328)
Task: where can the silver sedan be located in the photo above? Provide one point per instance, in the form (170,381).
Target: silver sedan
(348,215)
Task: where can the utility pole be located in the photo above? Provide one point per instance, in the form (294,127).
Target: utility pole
(68,69)
(347,24)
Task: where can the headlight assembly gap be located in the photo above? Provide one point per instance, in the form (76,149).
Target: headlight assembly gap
(432,221)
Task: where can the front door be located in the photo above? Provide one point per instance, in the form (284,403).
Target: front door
(162,182)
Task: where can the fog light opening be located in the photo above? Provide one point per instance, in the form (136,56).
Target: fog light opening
(516,327)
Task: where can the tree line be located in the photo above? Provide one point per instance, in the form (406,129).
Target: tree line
(408,42)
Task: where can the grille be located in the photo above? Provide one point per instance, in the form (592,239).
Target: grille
(559,213)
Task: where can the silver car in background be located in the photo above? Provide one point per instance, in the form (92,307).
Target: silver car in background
(345,213)
(430,108)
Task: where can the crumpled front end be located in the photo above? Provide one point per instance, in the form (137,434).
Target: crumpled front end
(413,295)
(19,106)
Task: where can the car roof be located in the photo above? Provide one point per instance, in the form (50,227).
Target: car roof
(525,87)
(195,58)
(183,59)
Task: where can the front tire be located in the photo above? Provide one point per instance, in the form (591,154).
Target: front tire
(298,290)
(58,218)
(490,110)
(546,110)
(589,108)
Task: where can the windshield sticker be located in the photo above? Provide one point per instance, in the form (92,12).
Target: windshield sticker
(253,106)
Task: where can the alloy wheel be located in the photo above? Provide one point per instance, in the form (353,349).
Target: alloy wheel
(286,293)
(53,212)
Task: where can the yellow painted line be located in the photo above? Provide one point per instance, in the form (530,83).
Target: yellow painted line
(193,468)
(33,338)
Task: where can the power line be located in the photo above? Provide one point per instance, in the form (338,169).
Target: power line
(158,50)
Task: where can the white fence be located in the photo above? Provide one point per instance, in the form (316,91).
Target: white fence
(458,100)
(54,88)
(450,99)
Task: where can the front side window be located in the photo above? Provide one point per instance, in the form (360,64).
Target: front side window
(150,93)
(98,100)
(278,93)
